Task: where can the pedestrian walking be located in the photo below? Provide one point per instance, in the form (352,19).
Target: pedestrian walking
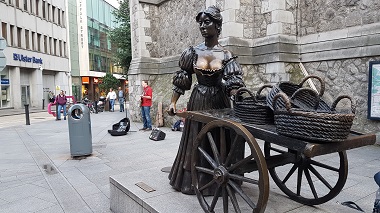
(111,96)
(61,100)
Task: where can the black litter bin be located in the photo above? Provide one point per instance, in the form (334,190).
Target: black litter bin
(80,130)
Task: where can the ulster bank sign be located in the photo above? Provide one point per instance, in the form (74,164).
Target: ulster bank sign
(25,58)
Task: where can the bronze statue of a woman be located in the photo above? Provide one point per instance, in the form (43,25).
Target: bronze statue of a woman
(219,75)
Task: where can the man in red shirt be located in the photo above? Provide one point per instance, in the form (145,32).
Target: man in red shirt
(146,103)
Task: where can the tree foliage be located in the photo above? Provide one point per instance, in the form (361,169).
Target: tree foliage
(109,81)
(121,35)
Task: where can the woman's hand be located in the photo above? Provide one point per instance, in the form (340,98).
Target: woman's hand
(172,109)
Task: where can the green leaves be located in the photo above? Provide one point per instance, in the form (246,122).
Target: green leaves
(121,36)
(109,81)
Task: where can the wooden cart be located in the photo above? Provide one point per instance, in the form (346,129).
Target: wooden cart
(309,173)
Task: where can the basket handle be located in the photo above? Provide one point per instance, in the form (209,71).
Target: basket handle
(286,99)
(263,87)
(241,90)
(309,90)
(353,107)
(321,82)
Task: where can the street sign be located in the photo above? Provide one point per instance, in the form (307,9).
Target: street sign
(3,60)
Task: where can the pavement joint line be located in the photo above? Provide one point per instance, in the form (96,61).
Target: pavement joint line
(67,197)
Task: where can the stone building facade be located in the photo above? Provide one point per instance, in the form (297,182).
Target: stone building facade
(274,40)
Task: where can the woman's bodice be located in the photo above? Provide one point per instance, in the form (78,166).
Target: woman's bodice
(208,66)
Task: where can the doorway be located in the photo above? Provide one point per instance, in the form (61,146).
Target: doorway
(25,95)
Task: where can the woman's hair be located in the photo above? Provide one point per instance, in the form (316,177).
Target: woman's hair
(214,13)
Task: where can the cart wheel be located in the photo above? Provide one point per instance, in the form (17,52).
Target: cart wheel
(222,154)
(321,178)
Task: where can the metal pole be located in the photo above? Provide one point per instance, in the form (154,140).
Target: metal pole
(43,104)
(27,114)
(96,107)
(56,111)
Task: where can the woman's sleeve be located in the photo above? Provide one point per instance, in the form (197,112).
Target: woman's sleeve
(182,79)
(233,75)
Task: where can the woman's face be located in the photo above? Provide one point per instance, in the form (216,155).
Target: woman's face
(207,26)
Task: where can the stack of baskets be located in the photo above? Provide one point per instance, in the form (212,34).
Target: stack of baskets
(296,111)
(304,99)
(252,108)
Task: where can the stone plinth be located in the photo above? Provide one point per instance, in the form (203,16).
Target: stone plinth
(126,196)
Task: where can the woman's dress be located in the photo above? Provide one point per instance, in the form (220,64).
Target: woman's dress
(211,92)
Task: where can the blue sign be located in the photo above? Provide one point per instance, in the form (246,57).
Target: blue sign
(24,58)
(4,81)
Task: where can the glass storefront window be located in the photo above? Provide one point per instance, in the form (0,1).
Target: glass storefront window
(5,92)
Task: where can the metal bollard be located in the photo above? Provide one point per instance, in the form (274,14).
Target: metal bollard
(56,111)
(96,107)
(43,104)
(27,114)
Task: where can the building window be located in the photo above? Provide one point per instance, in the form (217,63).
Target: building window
(38,42)
(64,49)
(37,7)
(50,45)
(11,29)
(33,43)
(25,5)
(60,48)
(59,16)
(30,5)
(4,30)
(53,13)
(27,39)
(55,46)
(45,44)
(18,3)
(48,12)
(19,30)
(63,18)
(43,10)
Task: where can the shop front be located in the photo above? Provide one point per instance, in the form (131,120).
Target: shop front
(5,95)
(90,88)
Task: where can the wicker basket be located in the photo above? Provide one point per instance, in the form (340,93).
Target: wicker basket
(303,100)
(313,125)
(252,109)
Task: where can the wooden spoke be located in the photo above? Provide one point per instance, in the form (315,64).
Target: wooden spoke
(242,194)
(319,176)
(324,166)
(240,163)
(311,184)
(225,200)
(215,199)
(299,180)
(208,158)
(233,199)
(232,150)
(205,170)
(223,149)
(289,174)
(213,147)
(244,179)
(207,185)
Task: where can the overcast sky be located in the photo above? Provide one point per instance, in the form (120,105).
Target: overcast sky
(114,3)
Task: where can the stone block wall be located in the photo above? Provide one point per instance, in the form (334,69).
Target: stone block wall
(326,15)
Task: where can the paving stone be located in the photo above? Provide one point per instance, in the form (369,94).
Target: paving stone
(29,204)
